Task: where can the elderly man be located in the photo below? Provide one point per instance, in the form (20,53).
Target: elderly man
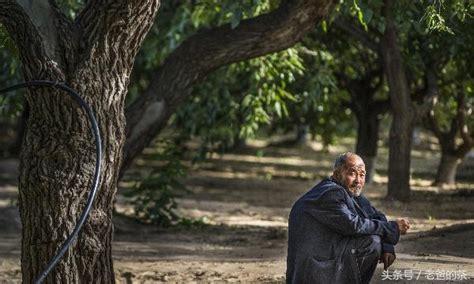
(335,235)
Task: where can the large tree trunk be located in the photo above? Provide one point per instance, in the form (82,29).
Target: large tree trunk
(56,170)
(95,56)
(403,117)
(399,158)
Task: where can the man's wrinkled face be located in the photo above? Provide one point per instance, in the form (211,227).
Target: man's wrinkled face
(352,175)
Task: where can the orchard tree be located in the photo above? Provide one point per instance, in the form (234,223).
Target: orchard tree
(404,82)
(358,69)
(398,33)
(94,54)
(451,120)
(93,49)
(452,124)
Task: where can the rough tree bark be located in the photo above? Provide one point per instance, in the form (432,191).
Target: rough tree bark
(94,54)
(406,109)
(208,50)
(402,110)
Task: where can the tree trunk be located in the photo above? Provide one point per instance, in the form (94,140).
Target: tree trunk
(399,158)
(56,170)
(302,134)
(402,123)
(367,138)
(452,154)
(446,174)
(94,55)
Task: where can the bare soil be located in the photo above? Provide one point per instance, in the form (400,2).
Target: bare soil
(244,199)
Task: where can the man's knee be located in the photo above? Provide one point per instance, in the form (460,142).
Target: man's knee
(370,245)
(375,244)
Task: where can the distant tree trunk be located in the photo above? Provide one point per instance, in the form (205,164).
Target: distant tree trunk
(368,112)
(94,55)
(451,154)
(367,138)
(402,111)
(447,169)
(239,142)
(302,134)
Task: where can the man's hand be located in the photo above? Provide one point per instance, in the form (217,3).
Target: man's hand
(387,259)
(403,225)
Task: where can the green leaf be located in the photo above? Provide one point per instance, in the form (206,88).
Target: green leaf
(360,15)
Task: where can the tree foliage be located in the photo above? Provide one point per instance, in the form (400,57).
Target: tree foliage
(234,102)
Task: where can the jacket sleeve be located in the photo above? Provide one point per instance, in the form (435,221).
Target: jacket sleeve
(331,210)
(377,215)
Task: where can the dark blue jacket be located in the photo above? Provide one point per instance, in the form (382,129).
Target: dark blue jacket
(321,224)
(368,211)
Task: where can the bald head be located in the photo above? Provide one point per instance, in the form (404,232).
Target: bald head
(344,158)
(349,171)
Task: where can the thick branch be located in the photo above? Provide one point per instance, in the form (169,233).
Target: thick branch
(431,123)
(381,106)
(430,96)
(206,51)
(26,35)
(40,31)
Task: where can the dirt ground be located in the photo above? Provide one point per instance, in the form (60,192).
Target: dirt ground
(245,197)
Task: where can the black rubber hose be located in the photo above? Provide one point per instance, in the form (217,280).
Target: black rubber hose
(98,164)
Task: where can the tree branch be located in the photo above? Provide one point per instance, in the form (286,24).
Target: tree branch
(104,26)
(381,106)
(430,96)
(208,50)
(432,124)
(356,33)
(33,27)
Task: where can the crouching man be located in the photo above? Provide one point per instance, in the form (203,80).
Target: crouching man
(335,235)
